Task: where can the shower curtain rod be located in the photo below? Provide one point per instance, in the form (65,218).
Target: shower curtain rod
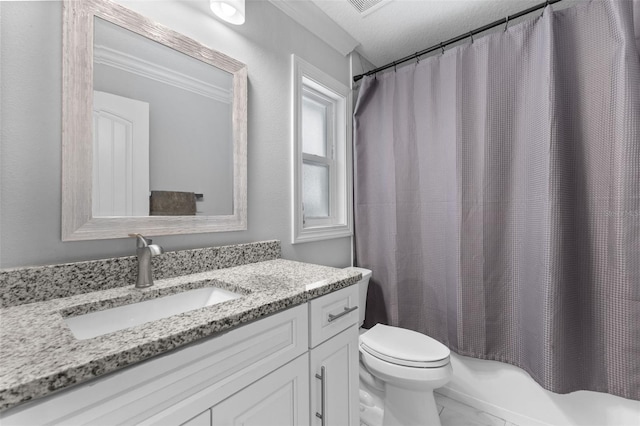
(457,39)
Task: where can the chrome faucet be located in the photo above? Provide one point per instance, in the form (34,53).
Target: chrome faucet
(145,251)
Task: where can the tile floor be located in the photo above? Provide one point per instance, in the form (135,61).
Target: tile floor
(454,413)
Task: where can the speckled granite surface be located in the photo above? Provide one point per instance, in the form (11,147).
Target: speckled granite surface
(39,355)
(35,284)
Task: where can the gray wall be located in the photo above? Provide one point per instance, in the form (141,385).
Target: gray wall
(30,153)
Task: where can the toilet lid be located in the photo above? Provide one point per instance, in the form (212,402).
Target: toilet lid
(404,347)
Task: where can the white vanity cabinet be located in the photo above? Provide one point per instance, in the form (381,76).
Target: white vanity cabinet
(279,399)
(175,387)
(202,419)
(334,359)
(262,373)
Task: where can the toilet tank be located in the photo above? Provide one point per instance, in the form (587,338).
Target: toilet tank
(363,285)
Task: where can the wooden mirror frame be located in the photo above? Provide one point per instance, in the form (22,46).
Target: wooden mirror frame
(78,222)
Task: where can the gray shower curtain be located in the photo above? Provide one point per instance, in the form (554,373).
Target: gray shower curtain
(498,197)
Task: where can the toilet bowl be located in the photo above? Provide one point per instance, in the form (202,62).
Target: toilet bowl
(399,369)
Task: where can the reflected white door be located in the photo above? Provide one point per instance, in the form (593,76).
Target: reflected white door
(120,156)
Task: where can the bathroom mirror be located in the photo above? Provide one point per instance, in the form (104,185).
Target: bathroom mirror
(148,111)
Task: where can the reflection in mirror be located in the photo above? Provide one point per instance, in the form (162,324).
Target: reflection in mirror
(154,128)
(162,126)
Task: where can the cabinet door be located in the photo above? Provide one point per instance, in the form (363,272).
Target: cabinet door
(278,399)
(334,369)
(203,419)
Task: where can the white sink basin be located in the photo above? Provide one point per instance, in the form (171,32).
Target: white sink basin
(102,322)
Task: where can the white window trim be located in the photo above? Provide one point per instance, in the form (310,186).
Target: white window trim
(328,160)
(340,223)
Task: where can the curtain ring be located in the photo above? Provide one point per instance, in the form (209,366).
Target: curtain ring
(506,25)
(394,67)
(471,35)
(417,58)
(546,4)
(442,47)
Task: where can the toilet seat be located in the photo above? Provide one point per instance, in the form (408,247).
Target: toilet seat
(404,347)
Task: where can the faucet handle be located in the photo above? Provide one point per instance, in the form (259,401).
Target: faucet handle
(141,240)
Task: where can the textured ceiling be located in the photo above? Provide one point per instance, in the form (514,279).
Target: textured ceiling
(402,27)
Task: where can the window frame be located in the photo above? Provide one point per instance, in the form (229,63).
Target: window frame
(322,88)
(328,160)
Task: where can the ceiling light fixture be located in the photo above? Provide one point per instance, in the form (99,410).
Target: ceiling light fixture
(231,11)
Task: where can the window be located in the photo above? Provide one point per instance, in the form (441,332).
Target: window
(321,155)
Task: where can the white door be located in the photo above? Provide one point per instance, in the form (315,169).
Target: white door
(280,398)
(120,156)
(339,357)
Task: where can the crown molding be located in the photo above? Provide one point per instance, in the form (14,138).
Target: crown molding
(125,62)
(315,20)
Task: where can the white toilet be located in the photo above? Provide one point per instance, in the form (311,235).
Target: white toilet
(399,369)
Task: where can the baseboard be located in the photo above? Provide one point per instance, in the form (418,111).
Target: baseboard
(503,413)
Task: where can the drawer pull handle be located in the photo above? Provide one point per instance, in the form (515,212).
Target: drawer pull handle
(322,377)
(341,314)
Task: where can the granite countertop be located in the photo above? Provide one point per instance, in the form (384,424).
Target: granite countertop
(39,355)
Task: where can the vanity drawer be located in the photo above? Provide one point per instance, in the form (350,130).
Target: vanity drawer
(332,313)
